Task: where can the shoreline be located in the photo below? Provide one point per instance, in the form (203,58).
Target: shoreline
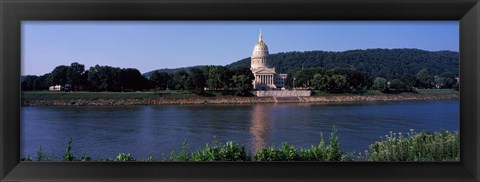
(235,100)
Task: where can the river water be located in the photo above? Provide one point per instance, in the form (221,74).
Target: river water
(106,131)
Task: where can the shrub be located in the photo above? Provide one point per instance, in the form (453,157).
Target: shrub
(123,157)
(425,146)
(266,154)
(228,152)
(322,152)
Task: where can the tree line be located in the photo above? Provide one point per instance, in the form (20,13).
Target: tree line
(237,81)
(350,80)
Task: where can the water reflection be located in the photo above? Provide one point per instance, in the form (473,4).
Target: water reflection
(261,125)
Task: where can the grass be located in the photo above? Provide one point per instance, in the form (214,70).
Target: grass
(424,146)
(437,91)
(47,95)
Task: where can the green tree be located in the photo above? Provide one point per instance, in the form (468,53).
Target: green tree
(424,78)
(242,84)
(338,82)
(396,84)
(74,75)
(320,81)
(380,84)
(196,81)
(217,77)
(179,80)
(59,75)
(104,78)
(409,81)
(162,80)
(445,80)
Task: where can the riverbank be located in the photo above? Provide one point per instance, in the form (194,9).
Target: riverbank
(232,100)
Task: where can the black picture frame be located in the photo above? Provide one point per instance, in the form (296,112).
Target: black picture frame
(12,12)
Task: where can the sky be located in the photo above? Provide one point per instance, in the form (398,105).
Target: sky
(151,45)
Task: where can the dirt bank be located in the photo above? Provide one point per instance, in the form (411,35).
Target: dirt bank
(379,98)
(233,100)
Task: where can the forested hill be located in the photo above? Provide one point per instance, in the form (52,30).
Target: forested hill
(387,63)
(172,70)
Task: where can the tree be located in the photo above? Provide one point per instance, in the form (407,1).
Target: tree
(130,79)
(380,84)
(104,78)
(445,80)
(240,71)
(217,77)
(320,81)
(409,81)
(59,75)
(162,80)
(396,84)
(424,78)
(338,82)
(42,82)
(75,76)
(29,82)
(196,81)
(242,84)
(179,80)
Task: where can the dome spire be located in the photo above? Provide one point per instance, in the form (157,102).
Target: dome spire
(260,36)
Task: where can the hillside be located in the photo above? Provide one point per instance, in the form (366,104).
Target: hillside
(387,63)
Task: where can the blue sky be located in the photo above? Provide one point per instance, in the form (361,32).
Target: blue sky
(150,45)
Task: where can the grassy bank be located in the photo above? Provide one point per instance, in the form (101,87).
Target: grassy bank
(424,146)
(47,95)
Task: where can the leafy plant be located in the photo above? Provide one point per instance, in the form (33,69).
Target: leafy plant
(68,154)
(424,146)
(124,157)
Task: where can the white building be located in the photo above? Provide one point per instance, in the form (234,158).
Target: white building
(266,78)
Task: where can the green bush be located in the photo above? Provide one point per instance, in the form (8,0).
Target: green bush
(320,152)
(266,154)
(123,157)
(230,151)
(425,146)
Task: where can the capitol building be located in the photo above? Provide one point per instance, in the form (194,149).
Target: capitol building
(266,78)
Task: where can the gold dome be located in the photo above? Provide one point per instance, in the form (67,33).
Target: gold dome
(259,54)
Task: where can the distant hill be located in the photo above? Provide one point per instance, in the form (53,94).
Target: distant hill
(172,70)
(387,63)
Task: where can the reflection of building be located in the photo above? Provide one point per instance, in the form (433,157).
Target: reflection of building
(261,120)
(266,78)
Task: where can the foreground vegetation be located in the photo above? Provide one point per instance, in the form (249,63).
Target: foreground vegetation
(424,146)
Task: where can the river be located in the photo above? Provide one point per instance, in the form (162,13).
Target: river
(106,131)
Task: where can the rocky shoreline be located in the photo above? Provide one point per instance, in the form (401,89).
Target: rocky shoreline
(234,100)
